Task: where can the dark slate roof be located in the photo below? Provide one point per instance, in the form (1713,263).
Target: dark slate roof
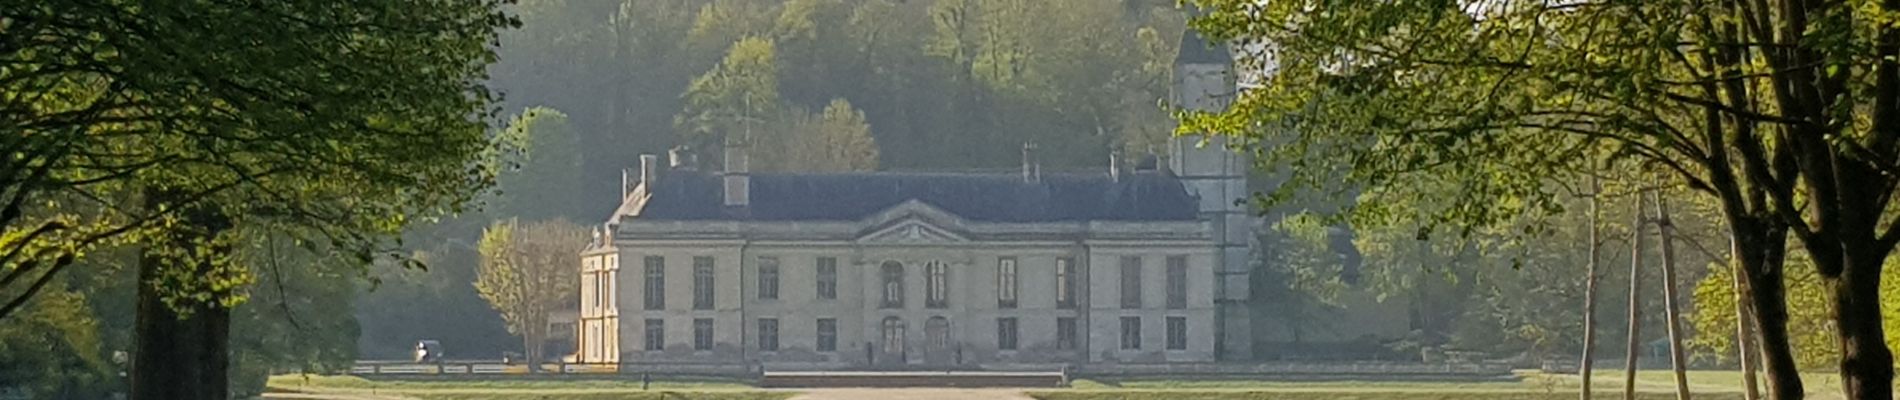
(1197,49)
(1143,196)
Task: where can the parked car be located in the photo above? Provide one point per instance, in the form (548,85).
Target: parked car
(428,351)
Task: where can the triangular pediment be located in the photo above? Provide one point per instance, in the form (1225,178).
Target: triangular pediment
(912,231)
(912,222)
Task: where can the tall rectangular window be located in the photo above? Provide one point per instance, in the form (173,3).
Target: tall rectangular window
(827,278)
(656,283)
(768,278)
(937,279)
(702,334)
(1177,333)
(702,283)
(893,273)
(1131,281)
(588,295)
(656,334)
(1006,282)
(768,334)
(1006,333)
(1065,333)
(600,291)
(1065,282)
(1131,333)
(827,334)
(1177,282)
(613,290)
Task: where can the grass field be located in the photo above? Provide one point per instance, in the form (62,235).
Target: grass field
(350,387)
(1657,385)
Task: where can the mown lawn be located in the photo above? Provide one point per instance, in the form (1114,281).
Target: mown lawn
(294,381)
(1650,385)
(1184,394)
(512,389)
(1657,385)
(655,395)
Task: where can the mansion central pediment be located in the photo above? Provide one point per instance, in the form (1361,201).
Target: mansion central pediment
(912,222)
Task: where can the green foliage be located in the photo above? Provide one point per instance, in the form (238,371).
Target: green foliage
(626,71)
(838,139)
(407,305)
(339,122)
(292,321)
(527,272)
(53,349)
(735,95)
(1815,344)
(547,157)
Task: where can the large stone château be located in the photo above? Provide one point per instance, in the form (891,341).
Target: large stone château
(895,269)
(1145,262)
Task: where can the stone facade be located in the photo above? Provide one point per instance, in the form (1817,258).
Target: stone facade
(793,275)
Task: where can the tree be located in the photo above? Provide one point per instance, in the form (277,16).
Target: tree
(52,349)
(549,161)
(526,273)
(1587,363)
(1742,101)
(1666,235)
(293,318)
(732,98)
(835,140)
(403,305)
(107,103)
(142,124)
(1715,303)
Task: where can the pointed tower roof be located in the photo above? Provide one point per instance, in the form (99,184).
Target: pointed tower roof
(1197,49)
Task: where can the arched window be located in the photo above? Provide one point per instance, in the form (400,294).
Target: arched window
(937,331)
(893,284)
(893,335)
(937,281)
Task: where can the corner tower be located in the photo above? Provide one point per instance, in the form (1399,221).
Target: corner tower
(1204,81)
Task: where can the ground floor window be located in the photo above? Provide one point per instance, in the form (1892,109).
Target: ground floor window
(1065,333)
(1131,333)
(768,334)
(703,334)
(655,334)
(893,335)
(827,334)
(1177,333)
(1005,333)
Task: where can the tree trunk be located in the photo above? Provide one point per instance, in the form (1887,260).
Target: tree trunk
(1634,350)
(1590,295)
(1866,363)
(1744,338)
(1761,251)
(1664,230)
(181,350)
(527,353)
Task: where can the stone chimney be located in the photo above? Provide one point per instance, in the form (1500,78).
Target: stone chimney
(649,171)
(681,158)
(738,178)
(1032,168)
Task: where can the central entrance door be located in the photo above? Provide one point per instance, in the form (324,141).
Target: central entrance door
(892,352)
(939,347)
